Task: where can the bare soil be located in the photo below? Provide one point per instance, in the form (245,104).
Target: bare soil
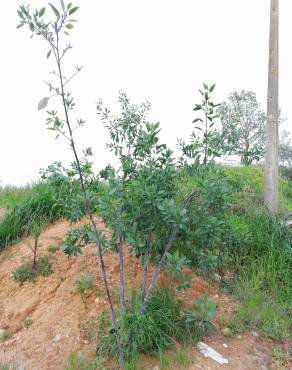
(59,313)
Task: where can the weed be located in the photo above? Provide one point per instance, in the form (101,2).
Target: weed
(27,272)
(77,361)
(281,358)
(96,327)
(27,323)
(53,249)
(4,335)
(163,359)
(84,283)
(181,358)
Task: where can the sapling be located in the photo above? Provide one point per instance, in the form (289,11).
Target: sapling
(52,32)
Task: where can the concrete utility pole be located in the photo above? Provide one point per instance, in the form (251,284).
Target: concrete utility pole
(272,134)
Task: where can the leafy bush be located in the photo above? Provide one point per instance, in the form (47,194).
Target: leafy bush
(26,271)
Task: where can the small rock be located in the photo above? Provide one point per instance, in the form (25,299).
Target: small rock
(238,336)
(208,351)
(225,345)
(57,338)
(255,334)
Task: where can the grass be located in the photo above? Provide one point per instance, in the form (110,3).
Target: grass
(40,205)
(26,272)
(164,323)
(10,196)
(4,335)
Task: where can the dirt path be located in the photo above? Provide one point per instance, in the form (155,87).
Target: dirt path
(57,313)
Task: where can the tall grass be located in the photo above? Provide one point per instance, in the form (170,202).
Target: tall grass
(40,206)
(10,196)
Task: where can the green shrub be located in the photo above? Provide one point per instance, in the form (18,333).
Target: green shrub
(84,283)
(78,361)
(26,272)
(53,249)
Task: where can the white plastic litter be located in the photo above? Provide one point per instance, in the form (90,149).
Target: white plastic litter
(207,351)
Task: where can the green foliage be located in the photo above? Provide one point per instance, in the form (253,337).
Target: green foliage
(181,358)
(164,322)
(26,272)
(203,241)
(27,323)
(5,334)
(84,283)
(10,196)
(206,140)
(175,263)
(53,249)
(39,206)
(78,361)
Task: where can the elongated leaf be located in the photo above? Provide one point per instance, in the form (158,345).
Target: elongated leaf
(69,26)
(43,103)
(62,5)
(212,88)
(20,25)
(73,10)
(69,6)
(55,10)
(205,86)
(49,53)
(42,12)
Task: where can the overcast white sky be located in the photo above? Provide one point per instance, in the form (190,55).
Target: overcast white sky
(160,50)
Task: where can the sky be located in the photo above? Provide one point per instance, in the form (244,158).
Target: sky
(156,50)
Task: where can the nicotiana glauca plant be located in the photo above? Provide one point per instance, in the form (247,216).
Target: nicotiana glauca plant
(52,32)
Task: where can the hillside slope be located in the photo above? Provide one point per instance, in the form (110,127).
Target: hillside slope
(59,316)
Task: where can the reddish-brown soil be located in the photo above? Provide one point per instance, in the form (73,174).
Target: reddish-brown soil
(59,314)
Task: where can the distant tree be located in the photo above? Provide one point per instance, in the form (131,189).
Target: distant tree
(285,149)
(243,122)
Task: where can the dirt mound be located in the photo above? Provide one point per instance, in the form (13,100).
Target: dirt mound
(57,314)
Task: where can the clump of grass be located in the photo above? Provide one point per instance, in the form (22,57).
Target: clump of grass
(77,361)
(164,322)
(27,323)
(4,335)
(84,283)
(182,358)
(53,249)
(41,203)
(264,272)
(27,271)
(10,196)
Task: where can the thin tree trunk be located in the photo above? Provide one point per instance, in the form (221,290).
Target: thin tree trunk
(168,245)
(272,135)
(122,278)
(89,213)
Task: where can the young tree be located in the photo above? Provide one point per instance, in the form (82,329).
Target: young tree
(244,123)
(272,134)
(52,32)
(206,140)
(285,149)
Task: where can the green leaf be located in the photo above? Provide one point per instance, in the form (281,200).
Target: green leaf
(69,6)
(197,119)
(62,5)
(49,53)
(20,14)
(43,103)
(73,10)
(20,25)
(205,86)
(55,10)
(69,26)
(42,12)
(212,88)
